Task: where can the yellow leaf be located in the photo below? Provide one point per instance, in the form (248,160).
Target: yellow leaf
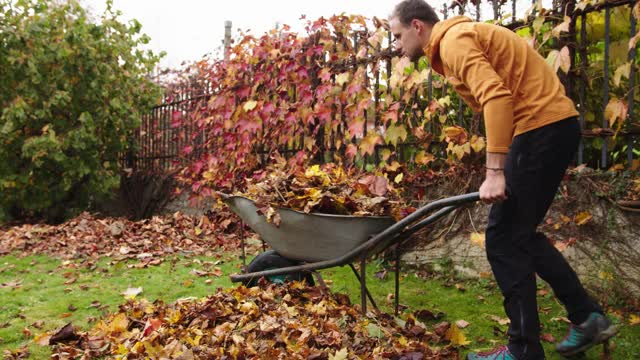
(634,40)
(119,324)
(340,355)
(622,70)
(342,78)
(398,178)
(417,78)
(311,194)
(559,59)
(121,350)
(453,131)
(616,167)
(250,105)
(403,341)
(209,175)
(564,27)
(376,39)
(149,348)
(423,158)
(478,239)
(314,171)
(459,150)
(500,320)
(394,133)
(249,307)
(368,144)
(634,320)
(456,336)
(583,218)
(582,4)
(394,166)
(477,143)
(175,316)
(291,310)
(385,154)
(560,245)
(43,339)
(444,101)
(400,66)
(616,109)
(131,293)
(198,231)
(605,275)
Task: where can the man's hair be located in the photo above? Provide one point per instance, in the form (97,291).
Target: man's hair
(408,10)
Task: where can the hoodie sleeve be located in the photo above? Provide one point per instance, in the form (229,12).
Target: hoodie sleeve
(461,52)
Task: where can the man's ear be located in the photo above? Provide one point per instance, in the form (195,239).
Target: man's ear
(417,25)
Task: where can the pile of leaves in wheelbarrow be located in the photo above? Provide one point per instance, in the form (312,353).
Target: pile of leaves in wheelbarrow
(328,189)
(266,322)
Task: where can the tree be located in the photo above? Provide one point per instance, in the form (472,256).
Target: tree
(73,88)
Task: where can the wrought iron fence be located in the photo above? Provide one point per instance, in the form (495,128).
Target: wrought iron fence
(157,144)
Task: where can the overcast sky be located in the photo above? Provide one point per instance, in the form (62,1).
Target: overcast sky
(189,29)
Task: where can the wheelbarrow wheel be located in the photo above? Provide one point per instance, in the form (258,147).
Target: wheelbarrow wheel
(269,260)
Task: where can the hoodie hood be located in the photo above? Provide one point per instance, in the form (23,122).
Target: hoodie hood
(432,50)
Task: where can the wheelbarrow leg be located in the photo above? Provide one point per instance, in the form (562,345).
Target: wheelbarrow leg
(319,279)
(244,255)
(364,291)
(363,284)
(397,256)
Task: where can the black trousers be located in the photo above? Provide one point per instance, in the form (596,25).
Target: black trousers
(535,166)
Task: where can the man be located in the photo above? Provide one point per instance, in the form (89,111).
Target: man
(532,133)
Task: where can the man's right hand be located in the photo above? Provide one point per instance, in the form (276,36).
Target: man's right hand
(494,187)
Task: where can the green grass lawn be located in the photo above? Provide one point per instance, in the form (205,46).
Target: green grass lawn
(44,297)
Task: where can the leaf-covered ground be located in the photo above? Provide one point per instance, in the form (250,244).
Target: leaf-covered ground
(268,322)
(88,237)
(44,298)
(87,287)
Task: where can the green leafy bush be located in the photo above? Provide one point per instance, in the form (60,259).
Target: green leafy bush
(73,87)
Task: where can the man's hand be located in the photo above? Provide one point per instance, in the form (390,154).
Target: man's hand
(494,187)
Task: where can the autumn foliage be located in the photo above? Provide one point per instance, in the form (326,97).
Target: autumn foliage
(340,93)
(333,90)
(271,322)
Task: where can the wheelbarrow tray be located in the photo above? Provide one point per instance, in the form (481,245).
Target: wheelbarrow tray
(309,237)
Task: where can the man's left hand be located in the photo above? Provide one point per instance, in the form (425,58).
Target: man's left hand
(494,188)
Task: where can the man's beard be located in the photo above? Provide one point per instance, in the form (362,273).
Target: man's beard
(416,55)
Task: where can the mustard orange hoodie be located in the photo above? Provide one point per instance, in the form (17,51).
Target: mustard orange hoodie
(496,72)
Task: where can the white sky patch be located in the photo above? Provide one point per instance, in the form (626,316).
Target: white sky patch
(188,29)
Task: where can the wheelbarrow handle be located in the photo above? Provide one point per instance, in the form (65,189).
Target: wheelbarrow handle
(416,220)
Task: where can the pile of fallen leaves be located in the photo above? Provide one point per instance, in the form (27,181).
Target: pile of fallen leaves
(147,240)
(633,190)
(327,189)
(267,322)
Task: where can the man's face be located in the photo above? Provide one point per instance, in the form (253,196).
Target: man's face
(408,40)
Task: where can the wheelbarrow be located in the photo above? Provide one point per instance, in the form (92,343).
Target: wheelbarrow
(305,243)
